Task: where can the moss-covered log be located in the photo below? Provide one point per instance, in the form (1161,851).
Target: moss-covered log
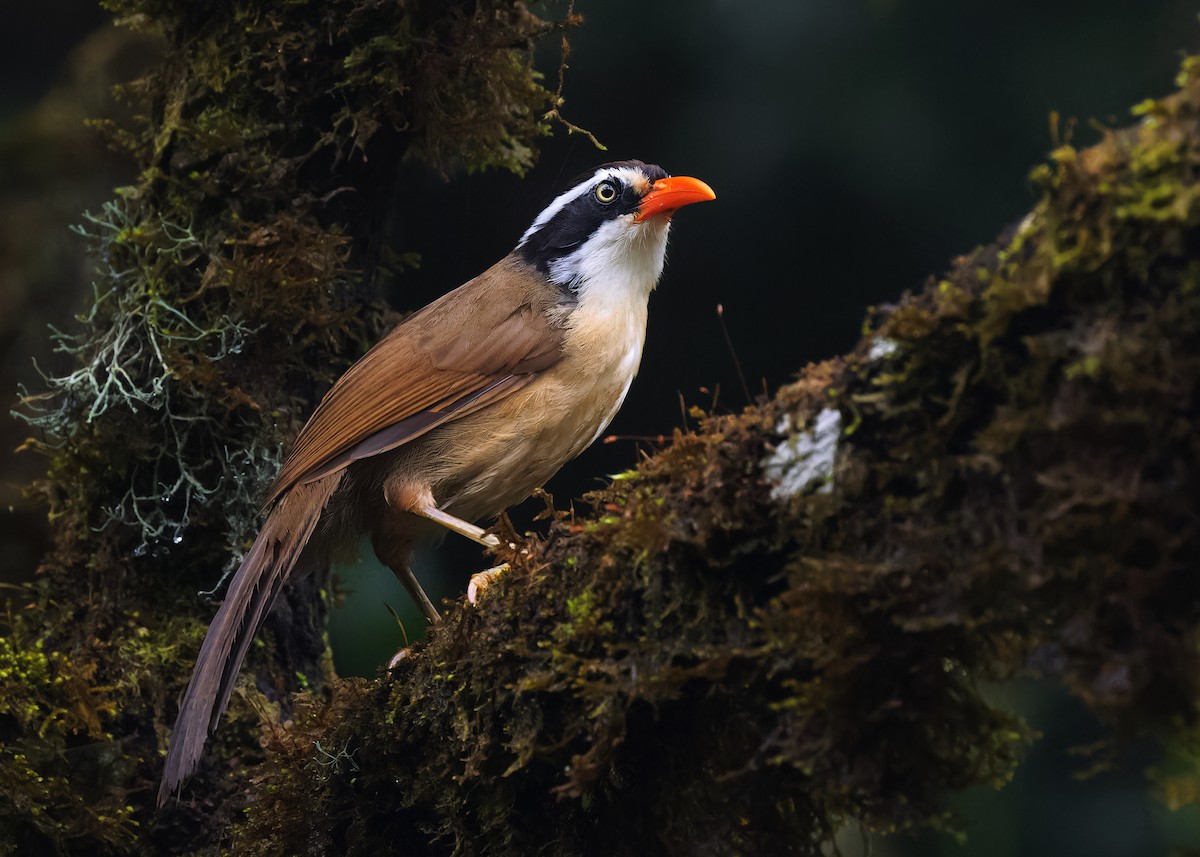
(781,622)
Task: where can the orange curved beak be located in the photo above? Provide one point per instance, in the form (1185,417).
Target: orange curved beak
(669,195)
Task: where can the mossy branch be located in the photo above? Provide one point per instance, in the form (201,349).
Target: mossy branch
(780,623)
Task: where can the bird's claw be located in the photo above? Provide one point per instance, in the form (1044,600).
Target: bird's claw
(480,581)
(398,657)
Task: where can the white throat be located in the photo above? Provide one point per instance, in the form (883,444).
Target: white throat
(612,275)
(620,263)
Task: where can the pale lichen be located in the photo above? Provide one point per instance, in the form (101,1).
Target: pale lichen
(804,461)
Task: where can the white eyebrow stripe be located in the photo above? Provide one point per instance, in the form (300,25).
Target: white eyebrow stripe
(627,174)
(560,202)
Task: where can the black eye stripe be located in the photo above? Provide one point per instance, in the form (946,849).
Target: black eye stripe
(578,220)
(572,225)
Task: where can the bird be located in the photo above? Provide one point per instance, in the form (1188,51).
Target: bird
(466,407)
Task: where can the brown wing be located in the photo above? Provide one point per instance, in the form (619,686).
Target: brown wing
(424,374)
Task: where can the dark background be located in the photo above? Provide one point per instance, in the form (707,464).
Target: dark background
(855,146)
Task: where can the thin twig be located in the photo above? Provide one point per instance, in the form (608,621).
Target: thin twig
(737,364)
(555,114)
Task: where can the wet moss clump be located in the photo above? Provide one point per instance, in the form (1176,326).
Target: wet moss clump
(780,623)
(235,279)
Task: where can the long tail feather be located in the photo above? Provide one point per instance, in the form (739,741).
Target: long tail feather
(268,565)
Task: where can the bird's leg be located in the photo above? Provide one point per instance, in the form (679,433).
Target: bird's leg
(406,577)
(480,580)
(416,498)
(457,525)
(395,550)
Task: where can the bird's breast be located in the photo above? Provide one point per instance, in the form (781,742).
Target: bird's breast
(498,456)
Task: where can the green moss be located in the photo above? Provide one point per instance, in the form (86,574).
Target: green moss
(56,750)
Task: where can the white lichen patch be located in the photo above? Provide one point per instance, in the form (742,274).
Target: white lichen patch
(804,462)
(882,348)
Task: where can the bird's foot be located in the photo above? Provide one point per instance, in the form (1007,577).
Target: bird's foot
(480,581)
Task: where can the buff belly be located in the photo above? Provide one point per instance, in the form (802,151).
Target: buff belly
(491,461)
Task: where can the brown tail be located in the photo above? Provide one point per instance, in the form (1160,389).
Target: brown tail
(267,566)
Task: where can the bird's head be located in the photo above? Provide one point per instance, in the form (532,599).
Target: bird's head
(610,229)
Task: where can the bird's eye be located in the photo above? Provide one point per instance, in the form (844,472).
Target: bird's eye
(606,192)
